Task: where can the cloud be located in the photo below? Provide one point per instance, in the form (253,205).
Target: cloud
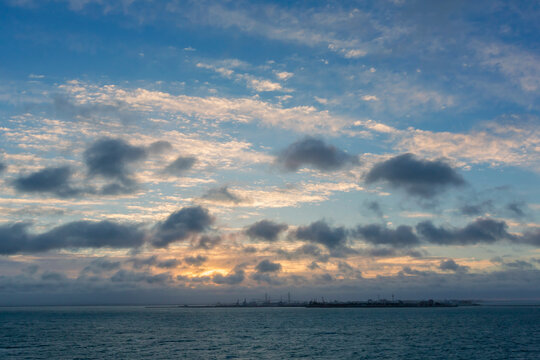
(160,146)
(53,276)
(180,225)
(516,208)
(233,278)
(375,207)
(519,66)
(111,159)
(408,271)
(519,264)
(306,119)
(251,81)
(66,108)
(531,237)
(265,230)
(451,265)
(181,165)
(320,232)
(418,177)
(3,167)
(315,153)
(195,260)
(370,98)
(101,265)
(139,263)
(500,142)
(206,242)
(485,231)
(53,180)
(381,252)
(284,75)
(125,276)
(153,260)
(267,278)
(168,263)
(267,266)
(476,209)
(309,251)
(15,238)
(402,236)
(223,195)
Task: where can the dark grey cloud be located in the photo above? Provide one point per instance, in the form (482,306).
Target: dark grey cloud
(479,231)
(181,165)
(2,167)
(416,253)
(159,147)
(222,194)
(195,260)
(519,264)
(402,236)
(381,252)
(101,265)
(53,276)
(309,249)
(322,233)
(418,177)
(53,180)
(233,278)
(66,108)
(516,208)
(476,209)
(168,263)
(15,238)
(407,270)
(315,153)
(111,159)
(206,242)
(180,225)
(265,230)
(31,269)
(375,208)
(126,276)
(531,237)
(305,251)
(268,278)
(451,265)
(118,189)
(266,266)
(139,263)
(249,250)
(325,278)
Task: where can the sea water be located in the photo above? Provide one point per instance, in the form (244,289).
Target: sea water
(269,333)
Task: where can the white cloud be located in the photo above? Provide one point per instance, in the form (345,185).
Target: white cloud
(251,81)
(519,66)
(354,53)
(370,98)
(284,75)
(494,143)
(279,197)
(305,119)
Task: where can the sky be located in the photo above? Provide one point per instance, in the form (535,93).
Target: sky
(161,152)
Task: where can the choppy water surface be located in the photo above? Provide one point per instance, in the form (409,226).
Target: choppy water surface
(269,333)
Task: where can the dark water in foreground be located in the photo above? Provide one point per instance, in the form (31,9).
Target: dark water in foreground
(269,333)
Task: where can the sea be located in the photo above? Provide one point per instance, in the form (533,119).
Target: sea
(114,332)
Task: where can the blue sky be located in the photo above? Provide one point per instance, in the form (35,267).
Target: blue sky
(161,151)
